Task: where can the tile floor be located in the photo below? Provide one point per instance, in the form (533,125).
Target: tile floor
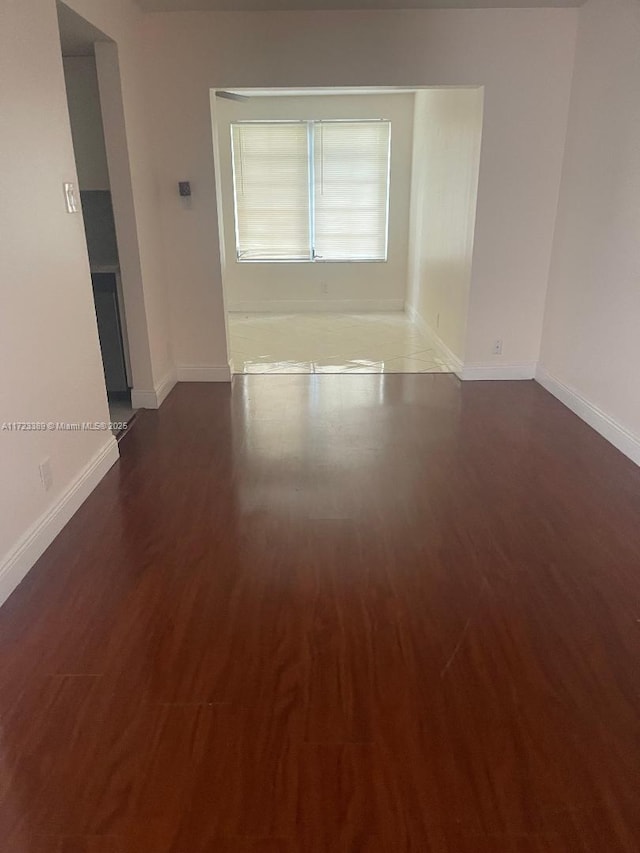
(331,343)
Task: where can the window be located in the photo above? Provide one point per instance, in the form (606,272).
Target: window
(271,189)
(311,191)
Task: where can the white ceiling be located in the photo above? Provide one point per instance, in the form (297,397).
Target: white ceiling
(324,5)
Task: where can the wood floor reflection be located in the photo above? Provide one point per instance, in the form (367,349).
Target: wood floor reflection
(334,614)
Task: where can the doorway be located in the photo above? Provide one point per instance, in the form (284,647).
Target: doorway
(77,41)
(341,251)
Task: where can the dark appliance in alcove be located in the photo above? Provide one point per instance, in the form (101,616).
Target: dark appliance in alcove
(105,277)
(105,297)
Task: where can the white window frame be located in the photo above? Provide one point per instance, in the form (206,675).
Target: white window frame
(313,258)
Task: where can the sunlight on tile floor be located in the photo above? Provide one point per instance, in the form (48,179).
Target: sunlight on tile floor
(331,343)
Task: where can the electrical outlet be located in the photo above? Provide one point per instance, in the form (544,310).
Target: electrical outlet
(324,287)
(497,347)
(46,476)
(438,320)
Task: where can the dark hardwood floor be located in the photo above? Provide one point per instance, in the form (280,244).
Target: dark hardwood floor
(334,614)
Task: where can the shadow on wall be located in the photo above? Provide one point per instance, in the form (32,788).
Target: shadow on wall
(444,192)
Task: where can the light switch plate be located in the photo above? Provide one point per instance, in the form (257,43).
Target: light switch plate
(70,200)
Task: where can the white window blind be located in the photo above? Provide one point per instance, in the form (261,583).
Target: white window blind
(311,190)
(271,189)
(351,166)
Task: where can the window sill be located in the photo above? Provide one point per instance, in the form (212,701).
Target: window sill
(316,261)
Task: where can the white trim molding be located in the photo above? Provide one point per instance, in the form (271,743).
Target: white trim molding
(141,398)
(453,361)
(315,306)
(39,536)
(621,438)
(152,399)
(474,372)
(165,387)
(498,372)
(204,373)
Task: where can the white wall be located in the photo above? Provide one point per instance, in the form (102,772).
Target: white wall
(591,343)
(446,160)
(49,354)
(523,58)
(50,366)
(317,286)
(83,97)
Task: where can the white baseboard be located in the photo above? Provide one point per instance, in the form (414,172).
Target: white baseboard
(473,372)
(300,306)
(142,398)
(498,372)
(204,373)
(164,388)
(622,438)
(37,539)
(454,362)
(152,399)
